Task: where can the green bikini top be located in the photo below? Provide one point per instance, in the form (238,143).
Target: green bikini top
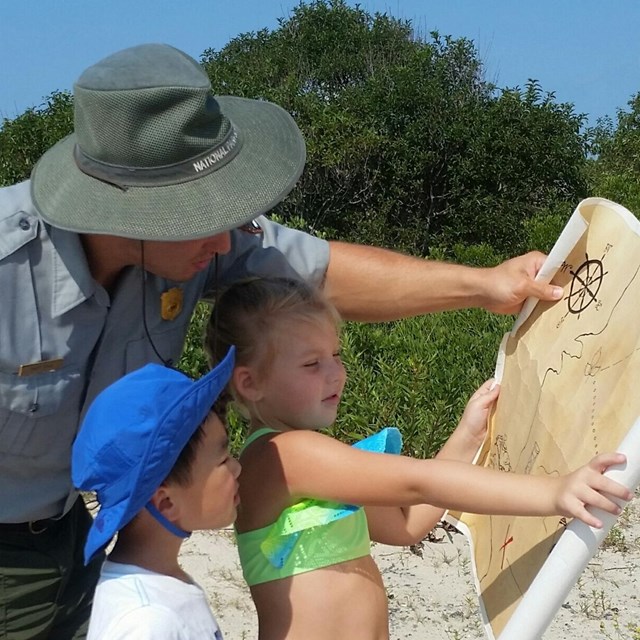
(309,534)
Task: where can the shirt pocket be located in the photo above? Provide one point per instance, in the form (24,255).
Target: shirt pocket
(169,344)
(39,413)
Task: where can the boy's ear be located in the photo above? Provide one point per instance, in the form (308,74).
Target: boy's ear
(162,500)
(246,384)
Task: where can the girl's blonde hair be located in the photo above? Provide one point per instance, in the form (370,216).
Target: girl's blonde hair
(248,312)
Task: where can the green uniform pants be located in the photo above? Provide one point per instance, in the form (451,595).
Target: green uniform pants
(45,590)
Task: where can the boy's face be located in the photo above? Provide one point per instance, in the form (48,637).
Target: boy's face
(211,499)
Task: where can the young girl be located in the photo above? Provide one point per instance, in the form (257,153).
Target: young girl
(304,547)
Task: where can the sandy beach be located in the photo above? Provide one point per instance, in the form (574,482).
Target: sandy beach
(430,587)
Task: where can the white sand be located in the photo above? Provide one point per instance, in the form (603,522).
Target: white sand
(431,592)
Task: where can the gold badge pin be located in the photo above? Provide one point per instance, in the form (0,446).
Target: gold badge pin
(171,304)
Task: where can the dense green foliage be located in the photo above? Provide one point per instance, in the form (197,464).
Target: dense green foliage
(409,147)
(407,143)
(24,139)
(416,374)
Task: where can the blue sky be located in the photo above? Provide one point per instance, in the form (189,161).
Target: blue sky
(586,51)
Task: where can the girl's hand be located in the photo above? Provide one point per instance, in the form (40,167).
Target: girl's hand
(587,486)
(473,424)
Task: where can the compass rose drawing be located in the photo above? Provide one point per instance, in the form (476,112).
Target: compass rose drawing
(587,279)
(585,285)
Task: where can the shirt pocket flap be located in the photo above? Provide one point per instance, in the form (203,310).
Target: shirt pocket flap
(16,231)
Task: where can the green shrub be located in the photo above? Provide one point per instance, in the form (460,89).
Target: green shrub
(24,139)
(543,229)
(416,374)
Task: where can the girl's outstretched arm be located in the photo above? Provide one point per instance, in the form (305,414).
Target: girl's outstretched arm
(313,465)
(409,525)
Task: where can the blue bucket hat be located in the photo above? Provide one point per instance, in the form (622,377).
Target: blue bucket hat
(132,436)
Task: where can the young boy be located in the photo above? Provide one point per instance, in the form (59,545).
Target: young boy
(154,448)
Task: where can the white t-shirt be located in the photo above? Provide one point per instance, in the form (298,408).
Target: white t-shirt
(131,602)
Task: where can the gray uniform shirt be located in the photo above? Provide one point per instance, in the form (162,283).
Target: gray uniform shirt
(51,308)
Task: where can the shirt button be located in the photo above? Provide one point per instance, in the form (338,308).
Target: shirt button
(34,407)
(24,224)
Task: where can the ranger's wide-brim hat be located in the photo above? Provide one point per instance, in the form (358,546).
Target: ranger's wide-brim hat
(156,156)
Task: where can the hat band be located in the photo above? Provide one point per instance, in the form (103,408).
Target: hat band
(168,525)
(196,167)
